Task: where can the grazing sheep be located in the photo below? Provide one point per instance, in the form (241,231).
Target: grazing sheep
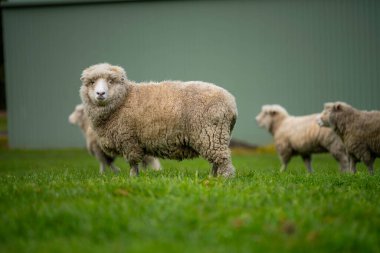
(79,117)
(300,136)
(359,131)
(170,119)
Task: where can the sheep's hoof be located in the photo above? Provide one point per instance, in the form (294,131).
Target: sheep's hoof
(133,173)
(230,173)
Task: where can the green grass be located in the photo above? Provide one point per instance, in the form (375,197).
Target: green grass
(55,201)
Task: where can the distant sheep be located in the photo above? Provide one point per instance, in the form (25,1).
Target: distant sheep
(359,131)
(79,117)
(170,119)
(300,136)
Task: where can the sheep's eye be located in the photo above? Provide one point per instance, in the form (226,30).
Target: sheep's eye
(91,82)
(111,81)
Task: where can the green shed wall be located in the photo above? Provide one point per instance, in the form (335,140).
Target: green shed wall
(299,54)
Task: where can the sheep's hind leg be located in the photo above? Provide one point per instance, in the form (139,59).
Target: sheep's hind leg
(220,158)
(155,163)
(102,158)
(114,168)
(213,146)
(151,161)
(110,161)
(369,161)
(134,171)
(214,170)
(307,161)
(223,167)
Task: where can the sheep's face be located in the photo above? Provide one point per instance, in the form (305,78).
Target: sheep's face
(323,119)
(270,114)
(103,83)
(264,119)
(331,111)
(77,116)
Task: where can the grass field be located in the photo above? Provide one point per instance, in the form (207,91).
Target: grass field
(55,201)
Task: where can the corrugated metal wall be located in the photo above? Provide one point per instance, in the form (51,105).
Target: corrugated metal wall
(296,53)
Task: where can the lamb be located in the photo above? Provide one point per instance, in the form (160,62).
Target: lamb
(79,117)
(359,131)
(170,119)
(300,136)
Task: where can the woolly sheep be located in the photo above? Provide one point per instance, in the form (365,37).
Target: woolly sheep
(300,136)
(171,119)
(359,131)
(79,117)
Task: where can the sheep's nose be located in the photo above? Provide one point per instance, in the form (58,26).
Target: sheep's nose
(100,93)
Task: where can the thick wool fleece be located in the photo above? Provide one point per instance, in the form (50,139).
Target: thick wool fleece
(359,131)
(300,136)
(79,117)
(170,119)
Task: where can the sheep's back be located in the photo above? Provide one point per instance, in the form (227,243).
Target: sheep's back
(303,134)
(167,117)
(364,129)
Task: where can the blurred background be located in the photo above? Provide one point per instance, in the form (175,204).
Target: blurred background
(297,53)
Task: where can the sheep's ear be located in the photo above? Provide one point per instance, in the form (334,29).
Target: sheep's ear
(124,76)
(83,76)
(120,71)
(337,107)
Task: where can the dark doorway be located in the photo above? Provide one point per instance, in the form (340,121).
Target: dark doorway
(2,76)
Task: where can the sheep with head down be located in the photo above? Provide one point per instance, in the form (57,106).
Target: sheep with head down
(170,119)
(79,117)
(359,131)
(300,136)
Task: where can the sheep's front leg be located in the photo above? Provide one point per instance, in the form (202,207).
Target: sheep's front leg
(352,162)
(339,153)
(307,161)
(102,168)
(134,155)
